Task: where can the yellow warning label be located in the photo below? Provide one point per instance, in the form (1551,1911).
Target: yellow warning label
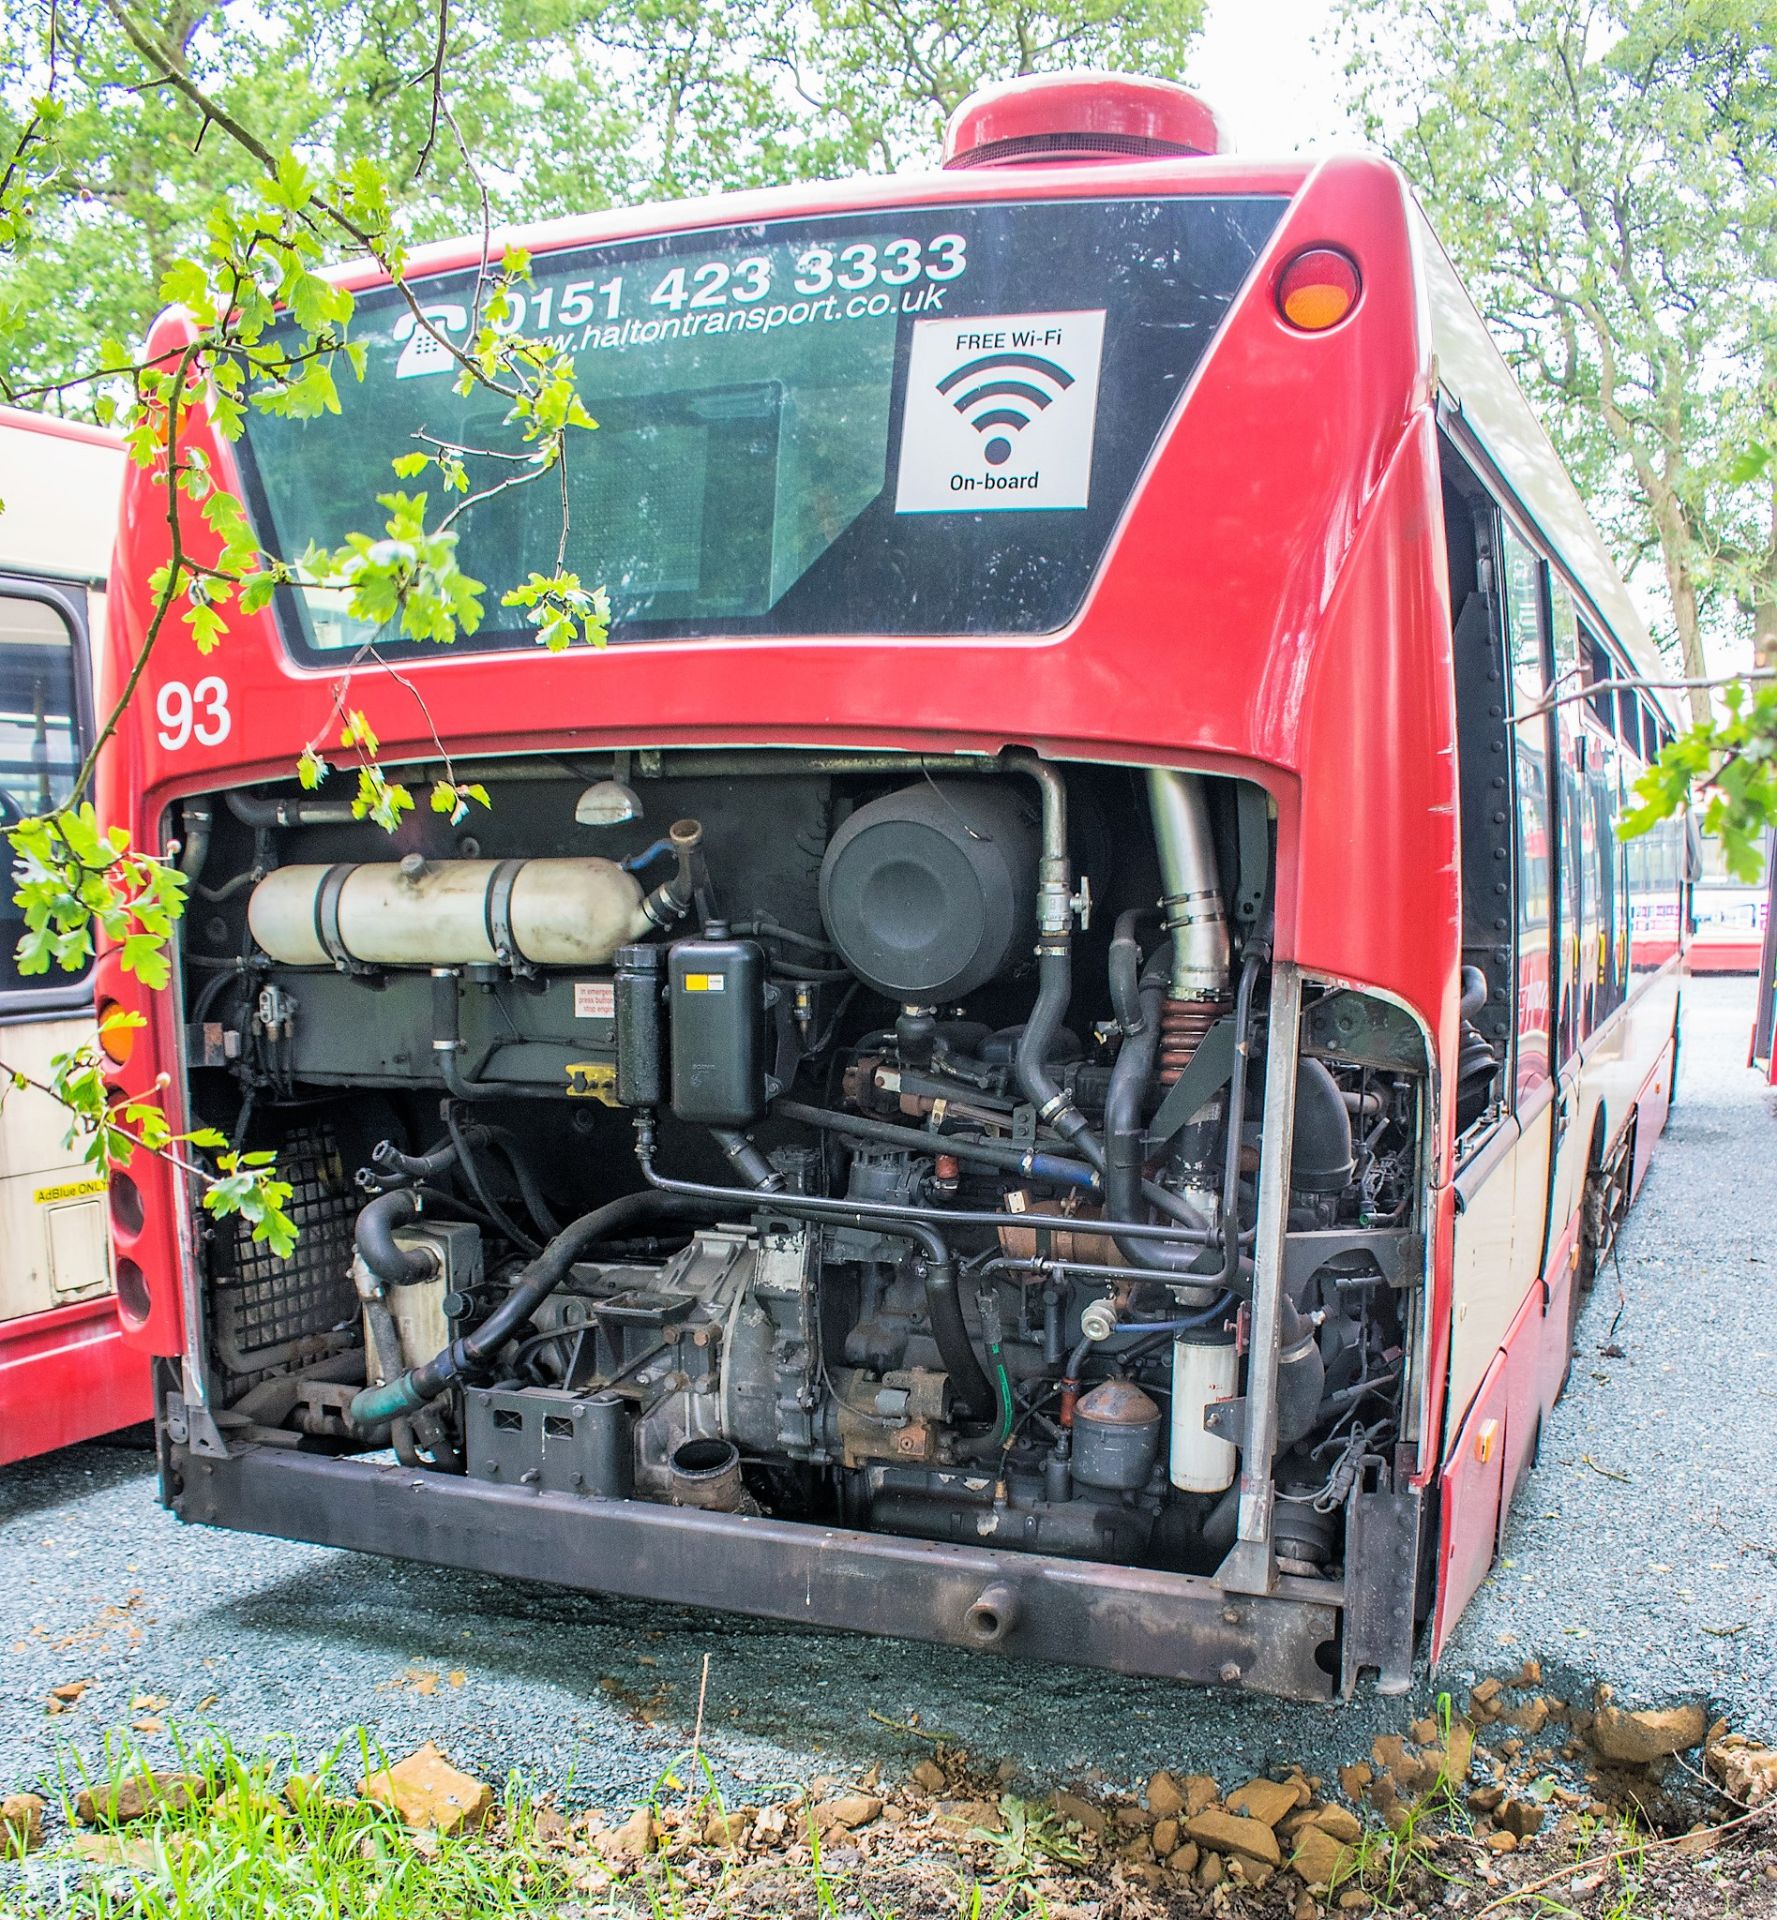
(704,982)
(69,1190)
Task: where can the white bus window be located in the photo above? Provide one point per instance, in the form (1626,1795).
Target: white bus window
(40,739)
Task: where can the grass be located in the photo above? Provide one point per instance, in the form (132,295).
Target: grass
(250,1846)
(1388,1862)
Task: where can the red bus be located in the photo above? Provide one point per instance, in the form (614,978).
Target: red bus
(1030,1057)
(65,1373)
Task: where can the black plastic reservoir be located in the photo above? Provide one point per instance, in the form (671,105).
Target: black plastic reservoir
(716,996)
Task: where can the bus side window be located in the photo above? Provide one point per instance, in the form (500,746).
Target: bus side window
(1484,784)
(1534,848)
(40,742)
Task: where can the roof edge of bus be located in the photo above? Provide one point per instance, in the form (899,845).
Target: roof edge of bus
(857,194)
(25,420)
(1475,376)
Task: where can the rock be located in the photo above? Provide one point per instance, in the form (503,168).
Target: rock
(1165,1797)
(1356,1901)
(1354,1780)
(1306,1907)
(134,1852)
(1747,1769)
(1201,1791)
(1082,1812)
(1230,1833)
(429,1794)
(1341,1823)
(1183,1860)
(1483,1695)
(960,1818)
(1520,1818)
(847,1813)
(1251,1873)
(1166,1833)
(1423,1732)
(1210,1870)
(625,1845)
(1502,1842)
(770,1827)
(135,1795)
(1485,1800)
(21,1824)
(1320,1859)
(1267,1800)
(1633,1739)
(930,1775)
(729,1829)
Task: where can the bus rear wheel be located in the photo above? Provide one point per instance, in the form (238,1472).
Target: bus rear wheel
(1605,1202)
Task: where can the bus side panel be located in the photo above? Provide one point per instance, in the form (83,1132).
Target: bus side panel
(1469,1490)
(1558,1285)
(1654,1101)
(67,1376)
(1523,1352)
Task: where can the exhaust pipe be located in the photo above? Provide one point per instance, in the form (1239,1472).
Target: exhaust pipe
(993,1614)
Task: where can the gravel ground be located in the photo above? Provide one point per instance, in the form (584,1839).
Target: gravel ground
(1664,1580)
(1660,1582)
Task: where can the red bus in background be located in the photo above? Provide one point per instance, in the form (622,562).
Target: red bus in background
(65,1374)
(1038,1053)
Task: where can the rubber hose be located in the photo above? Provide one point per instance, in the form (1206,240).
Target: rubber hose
(506,1143)
(1030,1062)
(386,1157)
(374,1236)
(1125,1142)
(476,1352)
(472,1173)
(1125,971)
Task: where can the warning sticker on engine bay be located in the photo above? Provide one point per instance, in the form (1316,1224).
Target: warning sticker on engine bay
(1000,413)
(595,999)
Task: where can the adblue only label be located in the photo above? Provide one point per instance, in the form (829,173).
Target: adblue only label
(1000,413)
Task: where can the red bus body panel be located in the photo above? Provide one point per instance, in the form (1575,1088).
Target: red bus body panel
(1231,627)
(68,1375)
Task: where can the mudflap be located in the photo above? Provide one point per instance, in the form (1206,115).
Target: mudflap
(1384,1533)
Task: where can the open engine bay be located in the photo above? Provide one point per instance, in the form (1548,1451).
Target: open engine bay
(853,1140)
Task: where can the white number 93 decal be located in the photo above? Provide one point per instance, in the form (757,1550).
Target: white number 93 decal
(197,713)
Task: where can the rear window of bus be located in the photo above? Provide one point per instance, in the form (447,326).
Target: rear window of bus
(921,420)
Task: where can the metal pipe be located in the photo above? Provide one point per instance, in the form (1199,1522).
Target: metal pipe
(1192,899)
(1055,915)
(1249,1566)
(255,812)
(1008,1159)
(866,1213)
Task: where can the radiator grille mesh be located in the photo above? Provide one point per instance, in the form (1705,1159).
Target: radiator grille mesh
(264,1306)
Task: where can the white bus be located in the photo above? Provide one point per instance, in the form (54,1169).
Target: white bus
(64,1373)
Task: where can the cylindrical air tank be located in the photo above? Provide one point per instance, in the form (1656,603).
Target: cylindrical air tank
(448,913)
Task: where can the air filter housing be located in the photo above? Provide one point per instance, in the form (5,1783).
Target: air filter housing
(930,892)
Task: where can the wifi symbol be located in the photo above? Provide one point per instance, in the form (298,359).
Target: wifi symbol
(1000,401)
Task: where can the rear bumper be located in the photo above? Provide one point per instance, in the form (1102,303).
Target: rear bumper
(65,1376)
(1127,1619)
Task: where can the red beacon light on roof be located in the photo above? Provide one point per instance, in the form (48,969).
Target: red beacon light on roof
(1079,117)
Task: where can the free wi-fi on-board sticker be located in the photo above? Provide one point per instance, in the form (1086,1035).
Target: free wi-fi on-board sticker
(1000,412)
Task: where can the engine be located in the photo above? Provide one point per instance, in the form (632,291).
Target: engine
(845,1137)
